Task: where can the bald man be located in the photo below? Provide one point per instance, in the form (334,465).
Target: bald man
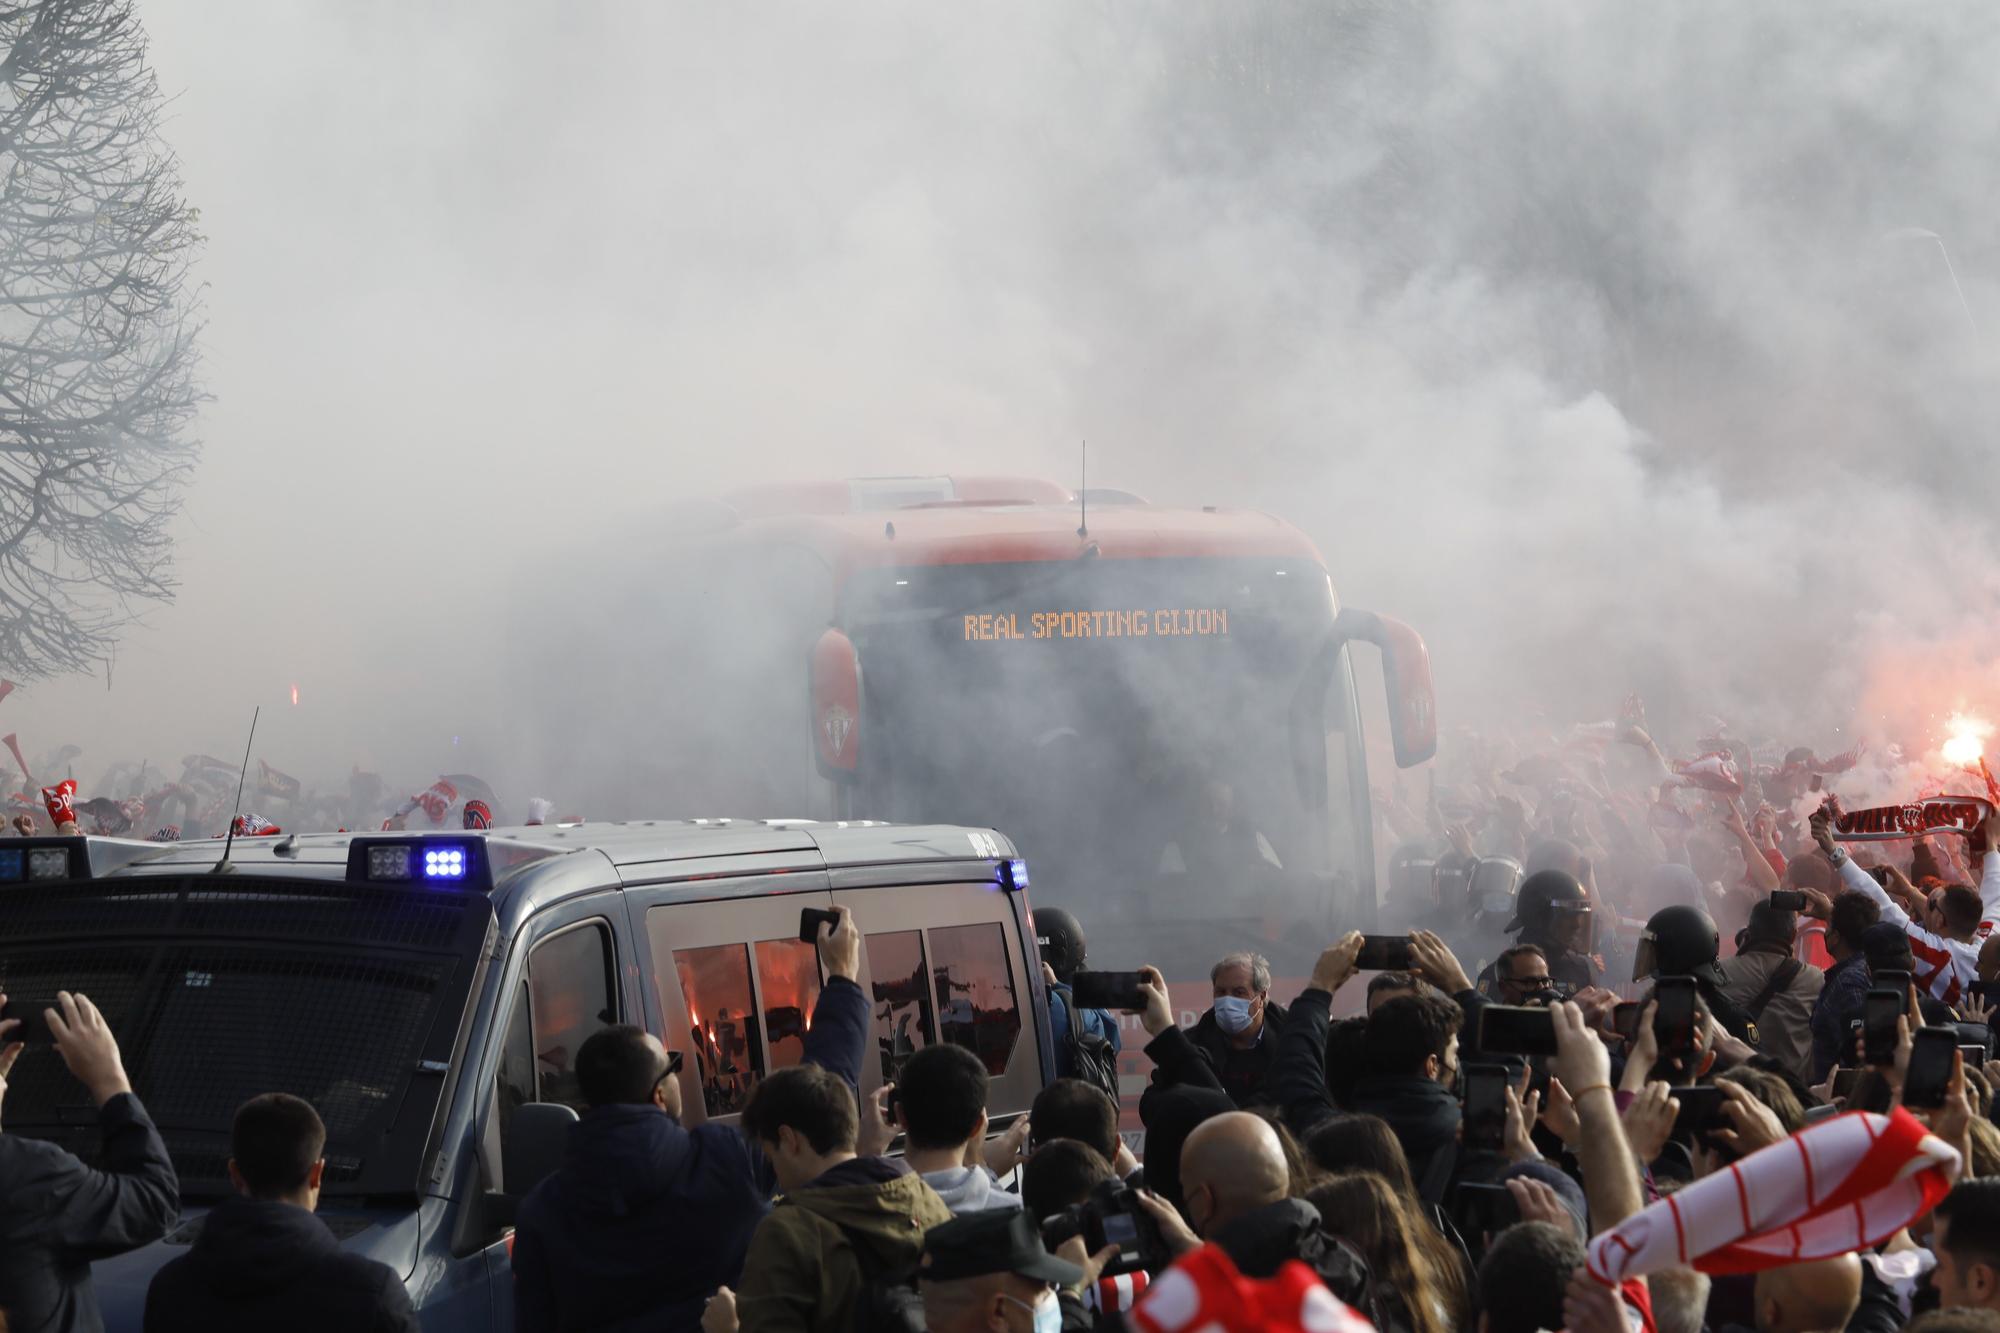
(1236,1187)
(1817,1297)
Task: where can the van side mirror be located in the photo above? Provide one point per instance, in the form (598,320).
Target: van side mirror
(537,1135)
(1406,675)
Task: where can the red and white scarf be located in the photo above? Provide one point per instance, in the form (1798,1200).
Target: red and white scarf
(1841,1185)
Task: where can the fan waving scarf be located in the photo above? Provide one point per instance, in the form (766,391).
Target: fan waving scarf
(1842,1185)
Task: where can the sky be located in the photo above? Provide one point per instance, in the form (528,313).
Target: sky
(1601,345)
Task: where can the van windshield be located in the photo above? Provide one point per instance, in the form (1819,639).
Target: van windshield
(1152,733)
(219,989)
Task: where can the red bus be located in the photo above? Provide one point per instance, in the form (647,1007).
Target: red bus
(1156,704)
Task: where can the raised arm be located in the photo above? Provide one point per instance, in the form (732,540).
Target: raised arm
(1763,877)
(1175,1059)
(1610,1176)
(1852,875)
(1298,1073)
(837,1037)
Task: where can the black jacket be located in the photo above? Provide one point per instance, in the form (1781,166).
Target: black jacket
(261,1265)
(57,1215)
(1424,1115)
(1244,1075)
(646,1218)
(1259,1243)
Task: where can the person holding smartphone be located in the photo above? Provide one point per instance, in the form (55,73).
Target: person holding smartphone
(1775,989)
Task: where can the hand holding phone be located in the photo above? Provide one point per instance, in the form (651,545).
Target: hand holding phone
(1384,953)
(1625,1020)
(1122,991)
(810,919)
(1485,1112)
(1506,1029)
(1933,1061)
(33,1018)
(1674,1023)
(1880,1011)
(1788,900)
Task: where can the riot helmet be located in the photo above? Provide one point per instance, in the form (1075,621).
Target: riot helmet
(1060,938)
(1550,908)
(1678,941)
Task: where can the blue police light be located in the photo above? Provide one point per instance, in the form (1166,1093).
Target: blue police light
(444,862)
(13,866)
(1017,876)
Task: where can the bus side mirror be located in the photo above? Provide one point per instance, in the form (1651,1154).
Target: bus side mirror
(1406,675)
(537,1135)
(836,706)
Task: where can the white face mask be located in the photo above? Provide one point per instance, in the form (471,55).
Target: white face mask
(1047,1312)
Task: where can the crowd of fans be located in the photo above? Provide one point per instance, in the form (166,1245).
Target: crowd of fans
(1510,1146)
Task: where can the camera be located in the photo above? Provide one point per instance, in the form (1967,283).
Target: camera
(1112,1215)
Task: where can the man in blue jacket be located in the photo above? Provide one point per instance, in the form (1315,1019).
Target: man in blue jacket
(1847,916)
(646,1218)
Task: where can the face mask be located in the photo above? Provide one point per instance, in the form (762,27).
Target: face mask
(1047,1312)
(1232,1014)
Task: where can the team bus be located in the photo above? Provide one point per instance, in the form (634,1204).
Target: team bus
(1158,705)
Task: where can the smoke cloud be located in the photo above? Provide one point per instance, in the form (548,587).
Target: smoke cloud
(1614,349)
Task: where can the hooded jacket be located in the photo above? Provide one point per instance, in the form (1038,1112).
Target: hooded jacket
(1424,1115)
(646,1218)
(259,1264)
(970,1189)
(1245,1074)
(803,1272)
(57,1215)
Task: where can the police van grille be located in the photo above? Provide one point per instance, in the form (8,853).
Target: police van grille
(364,914)
(217,994)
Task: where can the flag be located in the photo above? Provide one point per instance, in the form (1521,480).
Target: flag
(1714,772)
(272,783)
(253,826)
(1204,1293)
(1841,1185)
(60,802)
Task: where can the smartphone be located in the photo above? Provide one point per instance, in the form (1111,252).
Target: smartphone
(809,919)
(1701,1107)
(1486,1106)
(1487,1208)
(1384,953)
(1625,1019)
(1879,1012)
(1893,979)
(1788,900)
(1844,1081)
(1673,1017)
(1931,1054)
(34,1029)
(1975,1056)
(1108,990)
(1506,1029)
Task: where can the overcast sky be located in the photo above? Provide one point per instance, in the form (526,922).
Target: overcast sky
(1574,336)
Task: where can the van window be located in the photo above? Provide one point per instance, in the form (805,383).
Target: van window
(515,1082)
(569,985)
(788,979)
(903,1022)
(975,992)
(728,1051)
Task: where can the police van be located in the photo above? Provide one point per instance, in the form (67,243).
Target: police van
(421,990)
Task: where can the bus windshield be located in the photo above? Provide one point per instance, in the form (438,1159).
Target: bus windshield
(1154,734)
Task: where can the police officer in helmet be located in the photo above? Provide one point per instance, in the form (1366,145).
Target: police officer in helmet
(1552,912)
(1682,941)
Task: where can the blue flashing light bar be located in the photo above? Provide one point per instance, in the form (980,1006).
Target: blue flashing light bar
(55,858)
(458,862)
(1017,876)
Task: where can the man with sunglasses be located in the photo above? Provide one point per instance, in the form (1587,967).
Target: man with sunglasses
(646,1218)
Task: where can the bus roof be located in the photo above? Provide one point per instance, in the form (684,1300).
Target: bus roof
(977,521)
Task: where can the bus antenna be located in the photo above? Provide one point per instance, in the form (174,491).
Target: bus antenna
(230,840)
(1083,496)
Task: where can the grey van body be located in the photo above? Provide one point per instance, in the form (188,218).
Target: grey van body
(418,1015)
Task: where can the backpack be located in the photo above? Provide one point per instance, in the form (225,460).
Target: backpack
(889,1301)
(1090,1056)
